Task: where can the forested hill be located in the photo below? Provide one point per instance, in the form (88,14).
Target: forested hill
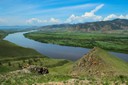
(117,24)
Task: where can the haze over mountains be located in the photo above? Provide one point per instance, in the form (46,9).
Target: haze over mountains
(116,24)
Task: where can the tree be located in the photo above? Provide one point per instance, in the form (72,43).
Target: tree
(19,65)
(9,64)
(1,64)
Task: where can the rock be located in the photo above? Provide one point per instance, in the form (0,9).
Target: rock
(40,70)
(43,70)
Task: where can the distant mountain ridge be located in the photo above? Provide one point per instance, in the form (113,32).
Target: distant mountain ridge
(116,24)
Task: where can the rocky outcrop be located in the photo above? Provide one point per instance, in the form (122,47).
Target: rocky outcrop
(38,69)
(91,64)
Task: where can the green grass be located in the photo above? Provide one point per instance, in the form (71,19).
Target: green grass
(2,34)
(110,41)
(30,79)
(58,71)
(9,53)
(6,69)
(116,64)
(9,50)
(13,57)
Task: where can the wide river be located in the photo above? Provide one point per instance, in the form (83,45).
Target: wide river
(53,51)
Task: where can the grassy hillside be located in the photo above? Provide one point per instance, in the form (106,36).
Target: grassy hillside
(99,62)
(10,52)
(2,34)
(8,49)
(109,41)
(13,58)
(66,72)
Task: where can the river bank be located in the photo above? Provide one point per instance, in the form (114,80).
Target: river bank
(52,50)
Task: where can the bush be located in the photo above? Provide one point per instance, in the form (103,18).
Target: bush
(9,64)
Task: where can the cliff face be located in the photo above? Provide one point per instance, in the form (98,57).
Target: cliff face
(98,63)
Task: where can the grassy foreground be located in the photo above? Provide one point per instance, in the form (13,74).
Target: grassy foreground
(109,41)
(62,71)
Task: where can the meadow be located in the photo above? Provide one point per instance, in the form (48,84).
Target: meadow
(110,41)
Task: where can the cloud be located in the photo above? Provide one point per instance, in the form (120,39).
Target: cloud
(97,8)
(62,9)
(87,16)
(2,21)
(53,20)
(37,21)
(114,16)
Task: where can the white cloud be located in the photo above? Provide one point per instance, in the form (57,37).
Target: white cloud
(37,21)
(53,20)
(114,16)
(87,16)
(63,9)
(97,8)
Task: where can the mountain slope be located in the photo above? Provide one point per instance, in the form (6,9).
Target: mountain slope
(98,62)
(117,24)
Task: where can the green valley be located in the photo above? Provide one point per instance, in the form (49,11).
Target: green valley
(109,41)
(25,66)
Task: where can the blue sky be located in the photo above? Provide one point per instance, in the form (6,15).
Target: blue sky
(45,12)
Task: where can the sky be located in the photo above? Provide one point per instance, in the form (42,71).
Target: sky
(47,12)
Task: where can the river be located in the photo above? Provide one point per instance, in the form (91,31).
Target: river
(52,50)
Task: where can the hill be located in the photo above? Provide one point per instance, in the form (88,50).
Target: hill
(8,49)
(2,34)
(61,71)
(98,62)
(117,24)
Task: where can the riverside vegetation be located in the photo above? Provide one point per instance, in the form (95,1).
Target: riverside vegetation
(116,41)
(97,67)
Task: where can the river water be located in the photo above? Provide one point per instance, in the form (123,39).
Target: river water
(52,50)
